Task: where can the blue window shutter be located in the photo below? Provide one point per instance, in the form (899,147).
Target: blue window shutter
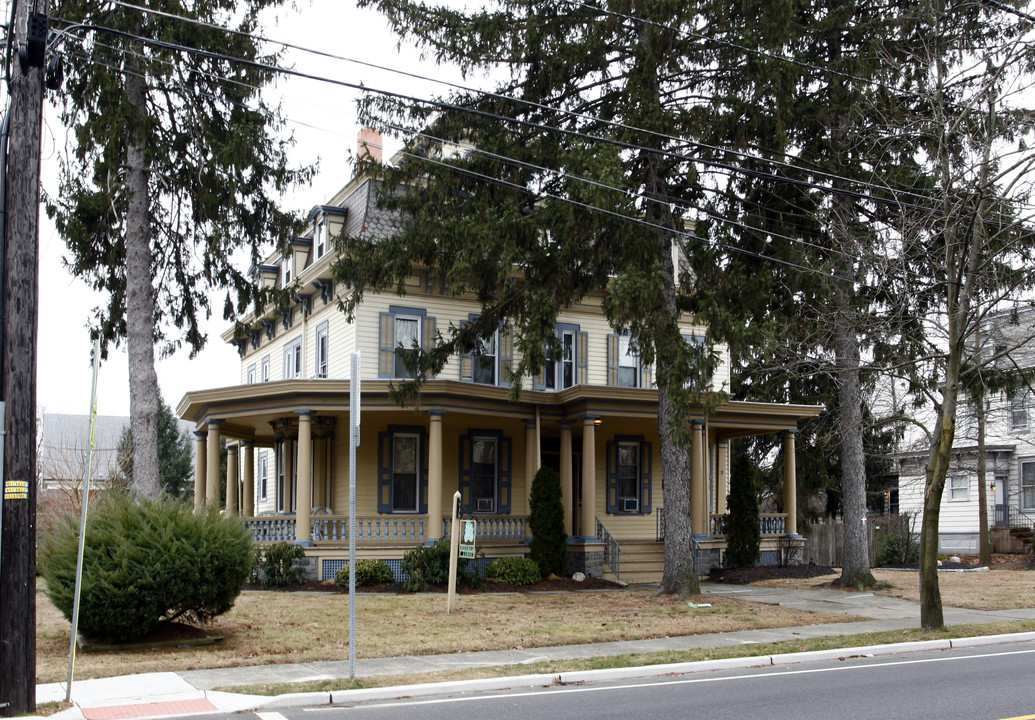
(465,473)
(422,453)
(612,360)
(386,345)
(612,476)
(428,336)
(506,474)
(582,358)
(506,352)
(384,472)
(646,461)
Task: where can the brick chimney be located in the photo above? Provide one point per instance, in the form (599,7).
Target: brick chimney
(369,143)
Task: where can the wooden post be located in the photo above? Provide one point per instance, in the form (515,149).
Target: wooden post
(20,273)
(454,549)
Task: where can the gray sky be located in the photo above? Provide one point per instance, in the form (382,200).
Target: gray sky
(323,120)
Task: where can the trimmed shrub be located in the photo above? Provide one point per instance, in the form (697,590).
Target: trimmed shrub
(144,562)
(427,565)
(895,547)
(514,571)
(275,565)
(368,572)
(549,544)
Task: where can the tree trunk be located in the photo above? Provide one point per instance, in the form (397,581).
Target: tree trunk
(140,305)
(855,567)
(20,313)
(984,541)
(680,575)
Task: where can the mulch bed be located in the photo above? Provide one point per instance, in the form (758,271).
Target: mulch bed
(551,585)
(165,635)
(747,575)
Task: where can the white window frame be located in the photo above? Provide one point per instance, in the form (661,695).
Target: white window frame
(264,474)
(490,348)
(959,488)
(293,359)
(1019,411)
(1026,485)
(265,365)
(322,351)
(398,363)
(250,374)
(320,233)
(491,507)
(628,358)
(285,268)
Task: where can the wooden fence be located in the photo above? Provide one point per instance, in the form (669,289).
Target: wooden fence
(825,544)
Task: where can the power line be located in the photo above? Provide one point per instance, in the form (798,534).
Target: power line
(572,114)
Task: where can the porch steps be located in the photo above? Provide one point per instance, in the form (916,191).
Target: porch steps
(1024,535)
(643,561)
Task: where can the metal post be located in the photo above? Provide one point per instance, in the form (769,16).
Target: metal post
(85,502)
(354,409)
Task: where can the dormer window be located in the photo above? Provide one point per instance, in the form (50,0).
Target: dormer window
(320,235)
(285,272)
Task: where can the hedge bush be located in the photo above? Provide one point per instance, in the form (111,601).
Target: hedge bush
(514,571)
(275,565)
(427,565)
(144,562)
(368,572)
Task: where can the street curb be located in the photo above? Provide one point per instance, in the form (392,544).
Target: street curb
(397,692)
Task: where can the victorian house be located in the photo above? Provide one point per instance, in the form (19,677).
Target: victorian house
(591,415)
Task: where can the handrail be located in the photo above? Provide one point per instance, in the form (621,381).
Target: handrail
(612,550)
(495,527)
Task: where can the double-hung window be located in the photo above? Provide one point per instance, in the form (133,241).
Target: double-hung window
(1019,411)
(403,333)
(293,359)
(251,374)
(959,488)
(322,349)
(264,474)
(624,368)
(402,470)
(485,472)
(629,476)
(491,360)
(566,360)
(265,366)
(320,232)
(285,268)
(1028,484)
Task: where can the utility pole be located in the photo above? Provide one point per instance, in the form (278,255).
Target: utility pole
(20,277)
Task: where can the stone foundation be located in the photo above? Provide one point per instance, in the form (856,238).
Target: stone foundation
(586,558)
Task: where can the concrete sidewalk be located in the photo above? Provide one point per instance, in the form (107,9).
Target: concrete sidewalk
(191,693)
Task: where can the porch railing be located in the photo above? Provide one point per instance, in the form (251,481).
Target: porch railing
(769,524)
(369,529)
(612,550)
(496,527)
(1011,517)
(271,529)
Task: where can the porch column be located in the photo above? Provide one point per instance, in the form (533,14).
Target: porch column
(531,462)
(589,476)
(434,527)
(567,477)
(790,483)
(304,478)
(698,482)
(231,480)
(200,467)
(212,462)
(722,476)
(248,501)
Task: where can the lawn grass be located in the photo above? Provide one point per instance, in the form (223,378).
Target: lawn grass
(276,627)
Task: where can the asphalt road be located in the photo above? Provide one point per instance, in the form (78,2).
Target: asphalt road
(992,682)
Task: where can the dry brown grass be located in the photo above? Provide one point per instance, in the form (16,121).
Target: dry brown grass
(271,627)
(991,590)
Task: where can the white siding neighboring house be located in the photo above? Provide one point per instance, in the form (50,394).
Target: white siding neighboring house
(1009,451)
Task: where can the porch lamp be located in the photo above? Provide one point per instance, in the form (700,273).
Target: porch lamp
(991,486)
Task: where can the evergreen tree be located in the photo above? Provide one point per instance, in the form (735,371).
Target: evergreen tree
(582,179)
(743,529)
(549,544)
(175,455)
(176,166)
